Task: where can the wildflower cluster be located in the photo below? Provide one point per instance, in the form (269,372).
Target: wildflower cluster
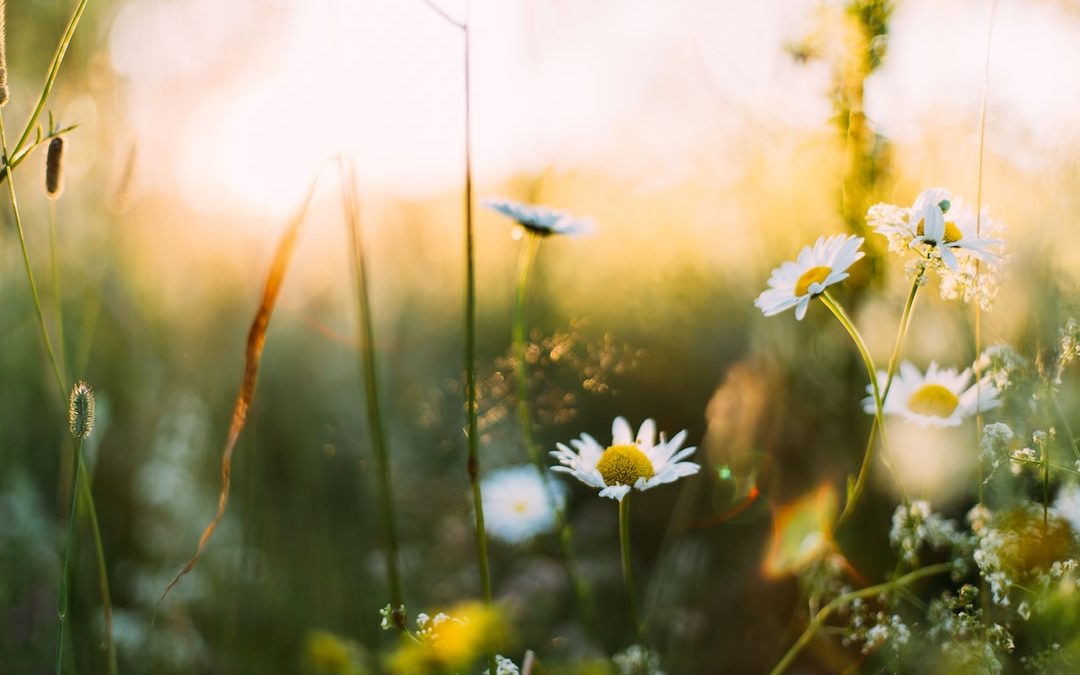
(448,642)
(870,630)
(946,236)
(637,660)
(968,643)
(916,527)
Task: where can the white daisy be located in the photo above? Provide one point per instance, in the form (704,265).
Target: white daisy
(937,222)
(794,284)
(630,461)
(940,398)
(541,219)
(516,503)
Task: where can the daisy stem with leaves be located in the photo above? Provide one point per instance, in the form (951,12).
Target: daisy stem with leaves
(526,258)
(879,398)
(864,471)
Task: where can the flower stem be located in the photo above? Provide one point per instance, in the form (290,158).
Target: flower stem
(65,588)
(369,366)
(875,388)
(82,476)
(844,599)
(627,569)
(582,593)
(473,464)
(894,358)
(50,78)
(57,301)
(29,269)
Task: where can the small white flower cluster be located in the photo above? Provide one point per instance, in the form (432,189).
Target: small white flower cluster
(971,284)
(874,630)
(1070,346)
(392,618)
(504,666)
(967,643)
(426,625)
(989,547)
(948,237)
(637,660)
(916,526)
(1002,364)
(996,447)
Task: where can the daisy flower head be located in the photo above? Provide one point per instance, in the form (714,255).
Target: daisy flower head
(796,283)
(541,220)
(517,503)
(631,461)
(940,227)
(941,397)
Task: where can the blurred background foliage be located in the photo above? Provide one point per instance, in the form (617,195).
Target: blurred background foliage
(651,317)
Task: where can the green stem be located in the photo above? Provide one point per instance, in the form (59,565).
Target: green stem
(875,388)
(65,571)
(582,593)
(844,599)
(473,464)
(87,497)
(627,569)
(19,157)
(894,358)
(30,271)
(1065,422)
(1046,484)
(84,483)
(59,305)
(50,78)
(369,366)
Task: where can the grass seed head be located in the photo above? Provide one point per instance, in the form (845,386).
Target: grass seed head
(81,410)
(54,168)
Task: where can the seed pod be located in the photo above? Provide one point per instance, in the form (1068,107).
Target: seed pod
(54,168)
(3,54)
(81,410)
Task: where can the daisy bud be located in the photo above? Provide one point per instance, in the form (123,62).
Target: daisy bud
(54,168)
(81,410)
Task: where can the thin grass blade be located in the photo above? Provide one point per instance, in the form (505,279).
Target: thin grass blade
(253,356)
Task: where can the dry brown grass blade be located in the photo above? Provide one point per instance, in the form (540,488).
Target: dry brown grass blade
(253,355)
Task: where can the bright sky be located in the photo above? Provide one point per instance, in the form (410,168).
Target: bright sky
(237,102)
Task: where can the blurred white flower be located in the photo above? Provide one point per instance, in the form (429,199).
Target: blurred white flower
(516,503)
(794,284)
(504,666)
(541,219)
(940,398)
(1068,505)
(629,462)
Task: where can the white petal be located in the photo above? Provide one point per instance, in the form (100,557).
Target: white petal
(646,435)
(621,432)
(616,492)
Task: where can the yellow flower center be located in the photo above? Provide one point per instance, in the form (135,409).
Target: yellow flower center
(520,507)
(623,465)
(814,275)
(933,400)
(952,232)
